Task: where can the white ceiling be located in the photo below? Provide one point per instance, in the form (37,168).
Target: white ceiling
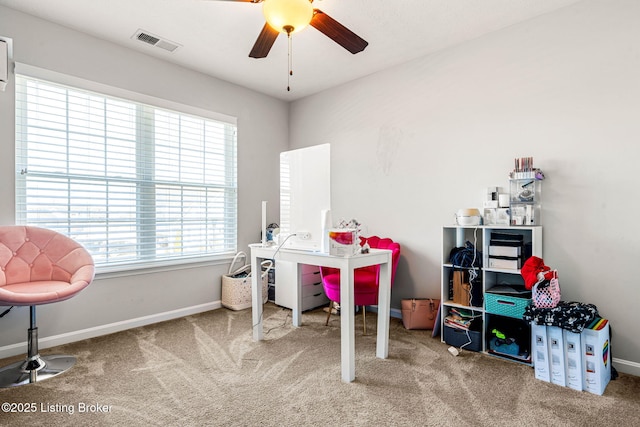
(215,36)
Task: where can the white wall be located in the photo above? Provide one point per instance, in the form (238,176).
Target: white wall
(413,144)
(262,134)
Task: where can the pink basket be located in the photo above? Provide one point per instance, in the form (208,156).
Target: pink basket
(548,296)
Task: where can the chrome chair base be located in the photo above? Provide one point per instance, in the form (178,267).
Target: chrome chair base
(34,370)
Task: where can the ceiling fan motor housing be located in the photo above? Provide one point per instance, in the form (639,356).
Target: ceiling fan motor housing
(287,16)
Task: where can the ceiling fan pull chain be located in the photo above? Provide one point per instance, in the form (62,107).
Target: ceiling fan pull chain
(290,71)
(289,30)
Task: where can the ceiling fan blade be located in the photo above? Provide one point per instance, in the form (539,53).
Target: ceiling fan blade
(264,42)
(337,32)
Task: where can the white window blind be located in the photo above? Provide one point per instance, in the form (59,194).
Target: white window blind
(135,184)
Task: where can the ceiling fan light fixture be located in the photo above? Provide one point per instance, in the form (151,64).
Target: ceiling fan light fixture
(287,16)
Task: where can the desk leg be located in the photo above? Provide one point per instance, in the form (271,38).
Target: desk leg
(256,299)
(384,304)
(297,298)
(347,326)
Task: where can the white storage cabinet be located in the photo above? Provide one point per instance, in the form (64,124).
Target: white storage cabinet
(286,279)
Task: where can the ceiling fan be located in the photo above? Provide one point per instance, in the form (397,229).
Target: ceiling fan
(291,16)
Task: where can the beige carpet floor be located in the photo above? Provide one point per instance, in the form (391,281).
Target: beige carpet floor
(205,370)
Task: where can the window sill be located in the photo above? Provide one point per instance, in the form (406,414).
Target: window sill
(109,272)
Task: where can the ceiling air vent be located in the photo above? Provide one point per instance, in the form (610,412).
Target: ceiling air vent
(153,40)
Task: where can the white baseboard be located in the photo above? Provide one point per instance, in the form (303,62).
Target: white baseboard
(396,312)
(69,337)
(627,367)
(393,312)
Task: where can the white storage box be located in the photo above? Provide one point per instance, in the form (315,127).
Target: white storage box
(572,359)
(505,251)
(596,357)
(556,355)
(540,352)
(508,263)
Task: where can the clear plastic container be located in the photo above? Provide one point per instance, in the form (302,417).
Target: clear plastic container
(524,201)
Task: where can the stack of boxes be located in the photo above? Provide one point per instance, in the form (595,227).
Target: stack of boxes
(506,250)
(581,361)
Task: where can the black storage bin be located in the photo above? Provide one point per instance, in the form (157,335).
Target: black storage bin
(458,337)
(517,331)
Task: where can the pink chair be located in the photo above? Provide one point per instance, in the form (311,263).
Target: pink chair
(365,279)
(39,266)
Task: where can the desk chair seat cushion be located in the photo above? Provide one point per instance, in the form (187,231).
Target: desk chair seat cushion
(36,293)
(40,266)
(364,285)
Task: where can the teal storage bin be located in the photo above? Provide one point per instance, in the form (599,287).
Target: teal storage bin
(505,305)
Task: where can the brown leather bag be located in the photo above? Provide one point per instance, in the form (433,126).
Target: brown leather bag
(419,313)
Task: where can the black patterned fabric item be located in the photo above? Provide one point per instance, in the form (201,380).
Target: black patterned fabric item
(572,316)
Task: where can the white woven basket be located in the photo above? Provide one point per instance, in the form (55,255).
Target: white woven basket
(236,286)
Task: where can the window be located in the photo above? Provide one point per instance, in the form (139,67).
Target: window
(134,183)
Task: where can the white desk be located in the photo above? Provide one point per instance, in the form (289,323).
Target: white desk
(347,322)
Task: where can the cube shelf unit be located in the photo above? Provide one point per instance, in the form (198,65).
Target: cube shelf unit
(490,310)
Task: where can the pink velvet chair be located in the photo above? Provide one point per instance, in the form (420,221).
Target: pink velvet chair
(39,266)
(365,280)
